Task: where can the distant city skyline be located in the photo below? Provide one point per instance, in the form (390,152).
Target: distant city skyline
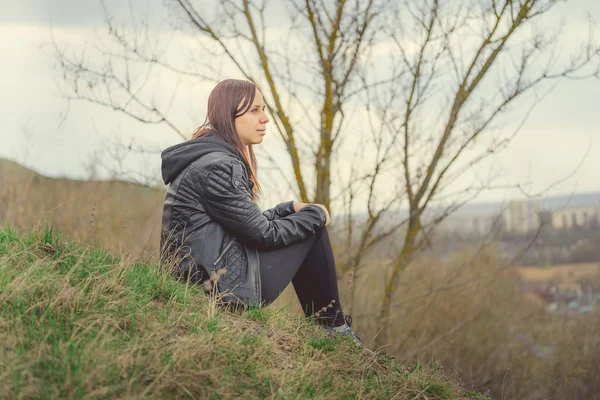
(561,212)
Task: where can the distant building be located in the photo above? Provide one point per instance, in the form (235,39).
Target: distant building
(526,216)
(521,216)
(568,218)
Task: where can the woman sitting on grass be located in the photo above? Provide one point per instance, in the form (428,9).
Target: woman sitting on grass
(213,229)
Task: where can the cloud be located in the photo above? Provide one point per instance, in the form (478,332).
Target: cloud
(57,12)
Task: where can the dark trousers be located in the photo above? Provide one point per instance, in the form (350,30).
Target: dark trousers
(310,266)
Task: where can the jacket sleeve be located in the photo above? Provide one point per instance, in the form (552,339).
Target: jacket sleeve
(228,202)
(279,211)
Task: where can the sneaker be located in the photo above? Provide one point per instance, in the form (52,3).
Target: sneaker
(346,331)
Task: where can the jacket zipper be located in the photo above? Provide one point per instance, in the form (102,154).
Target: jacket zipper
(223,253)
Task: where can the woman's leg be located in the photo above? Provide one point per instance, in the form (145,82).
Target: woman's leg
(310,266)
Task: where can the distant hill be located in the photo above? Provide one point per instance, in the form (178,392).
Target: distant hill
(115,214)
(590,199)
(12,168)
(575,200)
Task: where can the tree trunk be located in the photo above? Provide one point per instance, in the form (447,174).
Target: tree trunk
(323,195)
(402,261)
(323,160)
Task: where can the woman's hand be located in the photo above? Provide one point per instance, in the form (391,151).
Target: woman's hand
(298,206)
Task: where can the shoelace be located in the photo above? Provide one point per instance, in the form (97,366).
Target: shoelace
(348,319)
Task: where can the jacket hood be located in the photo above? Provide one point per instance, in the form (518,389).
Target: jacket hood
(176,158)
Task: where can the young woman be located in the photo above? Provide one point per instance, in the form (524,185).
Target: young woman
(212,227)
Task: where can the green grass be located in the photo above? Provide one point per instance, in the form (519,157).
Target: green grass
(77,322)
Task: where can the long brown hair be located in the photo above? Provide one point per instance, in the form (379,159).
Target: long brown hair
(220,118)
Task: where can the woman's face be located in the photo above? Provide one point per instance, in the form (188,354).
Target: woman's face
(251,126)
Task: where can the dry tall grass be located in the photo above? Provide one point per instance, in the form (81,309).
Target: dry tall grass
(469,315)
(464,312)
(119,216)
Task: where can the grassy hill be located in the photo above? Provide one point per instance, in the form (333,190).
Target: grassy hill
(78,322)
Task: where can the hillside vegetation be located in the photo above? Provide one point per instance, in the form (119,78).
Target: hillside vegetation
(465,311)
(78,322)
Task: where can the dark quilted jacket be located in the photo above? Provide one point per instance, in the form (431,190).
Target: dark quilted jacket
(210,223)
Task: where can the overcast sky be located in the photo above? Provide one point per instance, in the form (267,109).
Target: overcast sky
(559,133)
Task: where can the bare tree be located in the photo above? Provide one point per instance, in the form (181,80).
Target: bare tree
(339,34)
(431,109)
(453,51)
(309,80)
(122,158)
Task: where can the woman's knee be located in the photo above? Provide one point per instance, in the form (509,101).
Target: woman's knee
(323,236)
